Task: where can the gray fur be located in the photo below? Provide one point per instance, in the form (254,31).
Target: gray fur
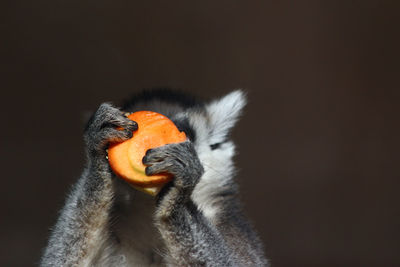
(196,220)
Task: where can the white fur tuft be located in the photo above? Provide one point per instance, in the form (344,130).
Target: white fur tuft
(223,114)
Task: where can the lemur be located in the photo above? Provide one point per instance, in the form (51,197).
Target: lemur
(195,220)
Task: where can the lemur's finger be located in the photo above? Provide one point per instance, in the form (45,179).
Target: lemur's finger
(159,167)
(153,156)
(127,125)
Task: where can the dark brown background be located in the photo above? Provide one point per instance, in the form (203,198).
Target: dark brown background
(319,142)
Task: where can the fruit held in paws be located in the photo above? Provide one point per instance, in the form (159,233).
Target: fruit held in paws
(154,130)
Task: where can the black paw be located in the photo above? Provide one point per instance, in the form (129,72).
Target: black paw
(179,159)
(107,125)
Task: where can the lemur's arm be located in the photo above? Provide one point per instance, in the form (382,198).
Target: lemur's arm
(81,231)
(191,240)
(239,233)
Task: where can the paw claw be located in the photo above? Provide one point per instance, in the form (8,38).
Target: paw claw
(129,134)
(145,160)
(148,151)
(132,123)
(148,171)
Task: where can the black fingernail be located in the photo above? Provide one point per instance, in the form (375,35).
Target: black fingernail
(144,160)
(147,171)
(133,124)
(148,151)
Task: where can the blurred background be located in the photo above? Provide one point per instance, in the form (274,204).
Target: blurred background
(318,143)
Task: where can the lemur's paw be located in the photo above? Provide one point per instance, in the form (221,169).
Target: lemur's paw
(107,125)
(178,159)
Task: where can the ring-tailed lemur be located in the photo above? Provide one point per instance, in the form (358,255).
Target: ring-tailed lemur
(195,220)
